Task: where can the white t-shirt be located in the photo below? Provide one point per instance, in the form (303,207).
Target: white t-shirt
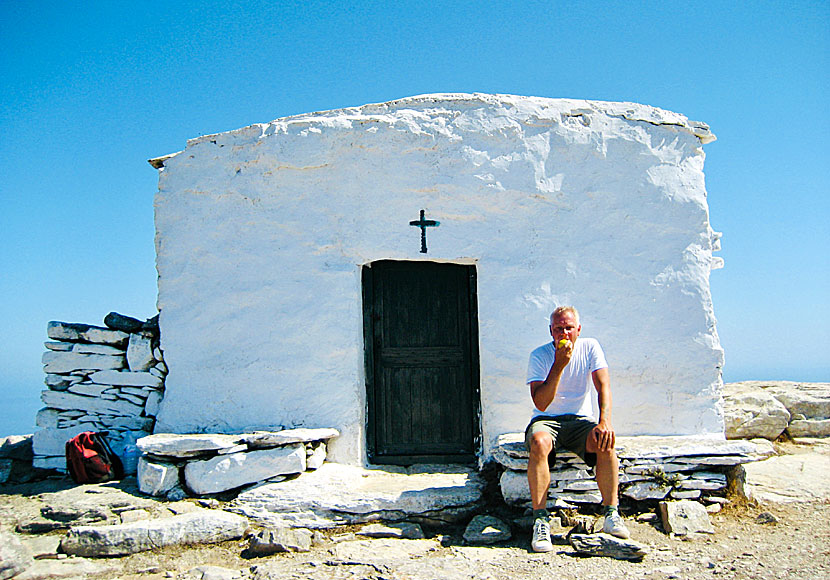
(575,387)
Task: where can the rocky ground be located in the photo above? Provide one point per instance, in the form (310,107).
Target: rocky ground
(785,538)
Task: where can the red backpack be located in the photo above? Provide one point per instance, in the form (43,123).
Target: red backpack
(89,459)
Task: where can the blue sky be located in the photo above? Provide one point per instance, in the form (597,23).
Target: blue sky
(89,92)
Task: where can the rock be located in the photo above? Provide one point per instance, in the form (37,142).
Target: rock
(686,494)
(66,514)
(66,362)
(152,404)
(203,527)
(809,399)
(61,382)
(337,494)
(231,471)
(47,418)
(810,428)
(315,455)
(702,484)
(766,518)
(17,447)
(71,401)
(578,497)
(608,546)
(5,469)
(140,353)
(685,517)
(88,389)
(134,516)
(126,378)
(271,541)
(123,323)
(52,442)
(263,439)
(208,572)
(152,325)
(155,477)
(484,529)
(14,558)
(176,494)
(803,401)
(405,530)
(752,413)
(786,478)
(646,490)
(84,348)
(188,445)
(49,462)
(40,527)
(85,333)
(580,485)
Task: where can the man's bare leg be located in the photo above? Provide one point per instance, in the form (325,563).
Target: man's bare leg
(608,480)
(608,477)
(538,479)
(538,471)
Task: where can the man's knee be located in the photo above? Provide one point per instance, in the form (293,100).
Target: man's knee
(541,443)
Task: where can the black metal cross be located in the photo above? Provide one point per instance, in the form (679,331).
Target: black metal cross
(424,224)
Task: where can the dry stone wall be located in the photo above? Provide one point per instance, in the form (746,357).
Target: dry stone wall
(651,469)
(107,378)
(174,465)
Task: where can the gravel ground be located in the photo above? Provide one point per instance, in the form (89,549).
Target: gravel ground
(757,540)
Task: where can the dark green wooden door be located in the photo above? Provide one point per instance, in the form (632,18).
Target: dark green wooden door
(421,362)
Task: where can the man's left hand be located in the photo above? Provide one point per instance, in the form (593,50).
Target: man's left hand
(603,435)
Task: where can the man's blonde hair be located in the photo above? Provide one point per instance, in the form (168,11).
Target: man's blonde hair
(562,310)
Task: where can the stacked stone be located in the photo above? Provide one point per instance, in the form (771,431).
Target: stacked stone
(174,465)
(100,379)
(651,469)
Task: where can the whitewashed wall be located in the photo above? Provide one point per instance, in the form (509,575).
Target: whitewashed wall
(262,233)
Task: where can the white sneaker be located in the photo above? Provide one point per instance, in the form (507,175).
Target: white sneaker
(614,525)
(541,536)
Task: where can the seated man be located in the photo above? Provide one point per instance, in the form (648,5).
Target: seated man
(560,374)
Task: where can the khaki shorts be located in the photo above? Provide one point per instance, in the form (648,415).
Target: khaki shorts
(567,431)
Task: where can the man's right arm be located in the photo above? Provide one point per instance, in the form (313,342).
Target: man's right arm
(543,392)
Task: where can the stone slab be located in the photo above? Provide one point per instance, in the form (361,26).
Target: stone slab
(262,439)
(85,348)
(126,378)
(809,428)
(486,529)
(98,405)
(185,445)
(73,332)
(156,477)
(202,527)
(140,353)
(337,494)
(52,442)
(685,517)
(791,478)
(607,546)
(66,362)
(226,472)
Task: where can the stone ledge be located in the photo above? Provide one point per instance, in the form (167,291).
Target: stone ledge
(206,464)
(339,494)
(651,468)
